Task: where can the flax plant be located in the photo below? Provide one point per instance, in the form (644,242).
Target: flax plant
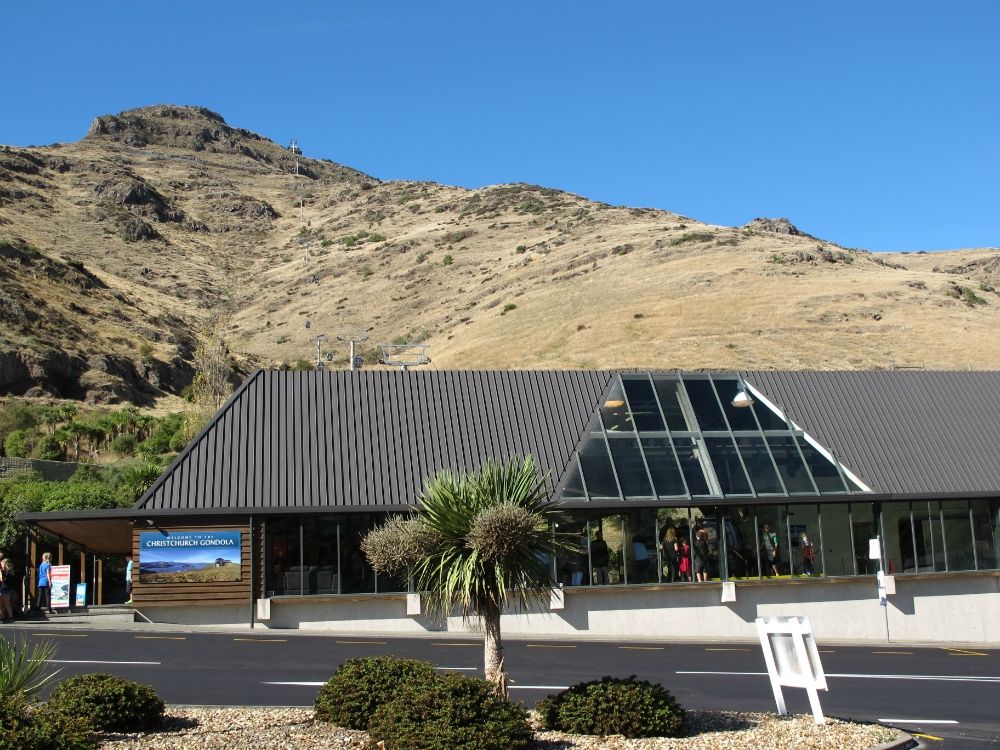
(23,668)
(479,543)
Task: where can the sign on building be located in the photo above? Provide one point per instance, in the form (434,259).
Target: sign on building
(792,659)
(189,556)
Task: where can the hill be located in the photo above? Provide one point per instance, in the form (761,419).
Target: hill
(116,250)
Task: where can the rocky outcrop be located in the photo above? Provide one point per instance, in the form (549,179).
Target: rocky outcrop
(775,226)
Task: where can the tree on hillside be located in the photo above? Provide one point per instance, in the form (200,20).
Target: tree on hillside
(479,542)
(212,382)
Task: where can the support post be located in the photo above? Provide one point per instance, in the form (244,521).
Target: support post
(99,586)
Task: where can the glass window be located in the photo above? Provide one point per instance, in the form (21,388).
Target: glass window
(708,547)
(319,554)
(767,418)
(740,418)
(897,538)
(641,555)
(836,550)
(757,459)
(629,466)
(957,535)
(984,533)
(597,471)
(691,456)
(642,402)
(741,545)
(675,408)
(673,525)
(663,466)
(614,413)
(927,536)
(793,471)
(823,470)
(803,540)
(728,470)
(772,542)
(574,489)
(864,529)
(284,563)
(607,536)
(358,575)
(705,404)
(571,565)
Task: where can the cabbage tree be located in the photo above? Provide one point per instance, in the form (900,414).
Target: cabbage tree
(478,542)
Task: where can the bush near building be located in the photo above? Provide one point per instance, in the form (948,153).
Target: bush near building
(108,703)
(360,686)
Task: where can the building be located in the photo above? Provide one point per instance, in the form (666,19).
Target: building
(278,490)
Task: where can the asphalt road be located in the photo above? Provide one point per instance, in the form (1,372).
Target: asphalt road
(952,696)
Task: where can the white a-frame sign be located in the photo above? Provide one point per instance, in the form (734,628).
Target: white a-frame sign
(792,659)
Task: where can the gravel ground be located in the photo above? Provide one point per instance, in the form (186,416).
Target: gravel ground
(295,729)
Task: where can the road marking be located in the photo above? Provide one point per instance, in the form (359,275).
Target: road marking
(894,653)
(549,645)
(932,677)
(831,651)
(642,648)
(918,721)
(160,638)
(538,687)
(457,669)
(928,736)
(727,649)
(458,645)
(362,643)
(60,635)
(92,661)
(262,640)
(964,652)
(302,684)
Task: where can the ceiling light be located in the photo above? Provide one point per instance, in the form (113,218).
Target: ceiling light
(614,403)
(742,399)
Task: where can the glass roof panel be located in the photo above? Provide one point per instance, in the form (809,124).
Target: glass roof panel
(574,490)
(642,402)
(690,456)
(740,418)
(597,471)
(793,471)
(614,414)
(630,467)
(671,394)
(706,406)
(663,467)
(757,459)
(824,471)
(728,470)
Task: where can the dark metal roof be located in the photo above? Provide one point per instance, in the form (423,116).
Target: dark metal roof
(357,440)
(307,441)
(905,433)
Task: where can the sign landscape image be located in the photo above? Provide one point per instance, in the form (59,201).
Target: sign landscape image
(189,556)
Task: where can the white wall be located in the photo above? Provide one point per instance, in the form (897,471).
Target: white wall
(957,608)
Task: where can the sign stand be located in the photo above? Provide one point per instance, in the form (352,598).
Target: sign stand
(792,660)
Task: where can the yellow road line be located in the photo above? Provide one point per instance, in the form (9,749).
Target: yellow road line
(642,648)
(60,635)
(362,643)
(161,638)
(928,737)
(965,652)
(831,651)
(262,640)
(549,645)
(727,649)
(472,645)
(894,653)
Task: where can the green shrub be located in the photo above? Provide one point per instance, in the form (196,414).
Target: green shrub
(508,307)
(24,729)
(177,441)
(123,445)
(50,449)
(23,668)
(447,260)
(359,686)
(17,444)
(109,703)
(613,705)
(449,712)
(521,249)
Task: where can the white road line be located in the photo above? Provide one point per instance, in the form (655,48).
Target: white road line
(918,721)
(303,684)
(458,669)
(538,687)
(91,661)
(932,677)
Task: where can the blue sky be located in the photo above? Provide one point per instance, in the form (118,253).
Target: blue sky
(872,124)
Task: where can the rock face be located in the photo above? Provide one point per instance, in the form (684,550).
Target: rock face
(776,226)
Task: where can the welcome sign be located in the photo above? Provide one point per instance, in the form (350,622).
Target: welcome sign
(189,556)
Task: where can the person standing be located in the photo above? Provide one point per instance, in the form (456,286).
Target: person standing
(671,551)
(685,556)
(6,589)
(808,555)
(44,584)
(129,565)
(772,552)
(600,558)
(702,556)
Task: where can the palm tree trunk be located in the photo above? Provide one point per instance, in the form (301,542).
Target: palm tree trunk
(493,651)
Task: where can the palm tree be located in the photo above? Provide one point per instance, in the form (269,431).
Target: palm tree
(477,540)
(135,480)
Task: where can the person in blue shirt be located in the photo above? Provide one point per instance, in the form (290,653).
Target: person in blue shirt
(44,584)
(128,577)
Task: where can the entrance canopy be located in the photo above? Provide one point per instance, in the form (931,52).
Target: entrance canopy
(105,532)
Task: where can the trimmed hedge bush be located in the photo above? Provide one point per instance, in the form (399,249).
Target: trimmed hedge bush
(359,686)
(613,705)
(449,712)
(109,703)
(41,729)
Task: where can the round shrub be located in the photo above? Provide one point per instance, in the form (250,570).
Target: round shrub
(123,445)
(613,705)
(24,729)
(109,703)
(359,686)
(449,712)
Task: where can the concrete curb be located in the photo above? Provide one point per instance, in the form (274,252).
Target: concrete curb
(903,742)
